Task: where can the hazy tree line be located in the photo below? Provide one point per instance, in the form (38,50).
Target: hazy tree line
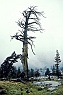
(8,70)
(12,72)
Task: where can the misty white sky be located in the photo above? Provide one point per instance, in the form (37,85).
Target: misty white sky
(46,43)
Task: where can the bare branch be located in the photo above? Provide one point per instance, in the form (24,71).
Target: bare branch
(31,47)
(32,16)
(34,29)
(21,32)
(43,14)
(31,42)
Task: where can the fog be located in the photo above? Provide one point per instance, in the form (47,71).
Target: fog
(46,43)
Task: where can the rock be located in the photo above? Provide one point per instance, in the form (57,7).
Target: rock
(51,88)
(37,83)
(42,87)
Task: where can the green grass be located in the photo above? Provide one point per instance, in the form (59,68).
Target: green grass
(17,88)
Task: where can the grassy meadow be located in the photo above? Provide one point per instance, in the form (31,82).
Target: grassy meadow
(18,88)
